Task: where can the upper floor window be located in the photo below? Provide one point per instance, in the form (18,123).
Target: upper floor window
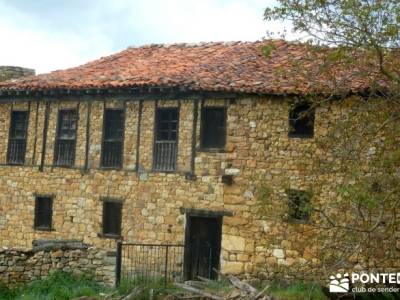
(299,205)
(113,137)
(43,213)
(301,121)
(17,138)
(112,215)
(213,128)
(166,137)
(64,151)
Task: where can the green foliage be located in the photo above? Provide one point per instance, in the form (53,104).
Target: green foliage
(297,291)
(156,286)
(371,26)
(264,202)
(267,49)
(356,23)
(6,293)
(58,286)
(299,204)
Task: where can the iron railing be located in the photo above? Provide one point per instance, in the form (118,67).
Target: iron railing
(16,151)
(149,263)
(111,156)
(64,153)
(165,153)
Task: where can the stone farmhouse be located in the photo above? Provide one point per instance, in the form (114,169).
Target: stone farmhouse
(160,144)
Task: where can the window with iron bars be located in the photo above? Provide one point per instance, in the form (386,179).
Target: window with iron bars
(301,121)
(113,137)
(43,213)
(112,217)
(64,150)
(17,137)
(166,139)
(213,127)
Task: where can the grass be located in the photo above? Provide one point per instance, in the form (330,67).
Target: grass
(156,286)
(297,291)
(57,286)
(65,286)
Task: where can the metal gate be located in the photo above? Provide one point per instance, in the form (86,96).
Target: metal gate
(146,263)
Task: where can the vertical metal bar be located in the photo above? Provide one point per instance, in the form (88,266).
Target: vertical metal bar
(166,267)
(209,262)
(118,264)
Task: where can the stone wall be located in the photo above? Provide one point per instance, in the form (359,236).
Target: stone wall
(258,146)
(19,266)
(10,72)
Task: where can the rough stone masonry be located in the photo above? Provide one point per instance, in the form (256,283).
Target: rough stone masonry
(171,205)
(154,204)
(19,266)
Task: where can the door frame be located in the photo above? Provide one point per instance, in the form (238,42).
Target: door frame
(202,214)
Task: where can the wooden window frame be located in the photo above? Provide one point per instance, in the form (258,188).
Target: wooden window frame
(12,139)
(157,142)
(58,139)
(48,227)
(295,118)
(104,232)
(105,140)
(203,133)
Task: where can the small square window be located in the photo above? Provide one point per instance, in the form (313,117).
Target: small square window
(298,205)
(301,121)
(112,213)
(43,213)
(213,127)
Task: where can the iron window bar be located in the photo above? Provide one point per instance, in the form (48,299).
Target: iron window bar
(113,137)
(64,148)
(17,138)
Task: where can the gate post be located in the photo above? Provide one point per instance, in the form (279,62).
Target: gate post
(166,267)
(118,262)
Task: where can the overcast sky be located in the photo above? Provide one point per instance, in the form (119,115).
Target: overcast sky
(55,34)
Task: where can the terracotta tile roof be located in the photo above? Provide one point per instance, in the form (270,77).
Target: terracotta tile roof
(288,68)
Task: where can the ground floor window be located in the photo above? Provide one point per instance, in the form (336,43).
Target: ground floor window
(112,214)
(43,213)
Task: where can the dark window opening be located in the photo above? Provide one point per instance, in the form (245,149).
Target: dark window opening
(113,137)
(213,124)
(43,213)
(301,121)
(64,151)
(112,215)
(166,137)
(17,139)
(299,205)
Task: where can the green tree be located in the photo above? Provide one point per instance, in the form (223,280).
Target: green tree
(370,25)
(363,147)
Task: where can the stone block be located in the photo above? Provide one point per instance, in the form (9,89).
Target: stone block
(233,268)
(278,253)
(233,243)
